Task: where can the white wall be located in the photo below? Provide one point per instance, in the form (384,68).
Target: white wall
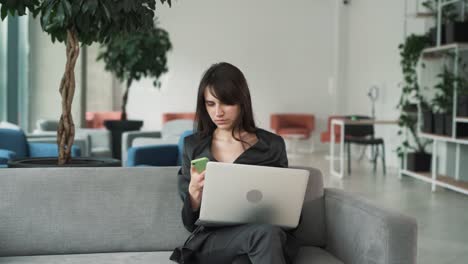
(101,84)
(47,65)
(285,49)
(375,29)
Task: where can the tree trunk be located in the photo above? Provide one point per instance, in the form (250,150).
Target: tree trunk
(66,129)
(123,116)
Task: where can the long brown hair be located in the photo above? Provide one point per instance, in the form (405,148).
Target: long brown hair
(228,84)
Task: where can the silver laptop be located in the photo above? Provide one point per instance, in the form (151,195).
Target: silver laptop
(238,194)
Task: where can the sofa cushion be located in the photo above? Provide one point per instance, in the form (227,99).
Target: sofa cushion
(148,141)
(8,125)
(100,258)
(89,210)
(175,128)
(101,152)
(47,125)
(308,255)
(14,140)
(311,229)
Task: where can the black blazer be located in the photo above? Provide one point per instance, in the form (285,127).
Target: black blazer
(269,150)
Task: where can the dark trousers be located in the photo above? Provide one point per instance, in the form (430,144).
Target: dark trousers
(244,244)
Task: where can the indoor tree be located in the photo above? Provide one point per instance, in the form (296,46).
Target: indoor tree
(78,22)
(410,52)
(136,55)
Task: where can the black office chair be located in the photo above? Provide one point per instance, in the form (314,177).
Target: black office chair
(363,135)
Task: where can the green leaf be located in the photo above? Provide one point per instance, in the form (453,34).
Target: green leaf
(4,12)
(92,6)
(106,11)
(127,5)
(67,8)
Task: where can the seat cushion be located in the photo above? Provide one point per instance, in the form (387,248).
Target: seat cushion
(100,258)
(294,131)
(101,152)
(364,141)
(61,211)
(308,255)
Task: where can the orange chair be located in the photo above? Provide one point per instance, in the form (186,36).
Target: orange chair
(173,116)
(325,137)
(96,119)
(293,126)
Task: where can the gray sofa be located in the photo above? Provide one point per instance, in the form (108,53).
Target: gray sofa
(132,215)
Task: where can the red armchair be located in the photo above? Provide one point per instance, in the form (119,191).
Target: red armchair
(293,124)
(96,119)
(293,127)
(173,116)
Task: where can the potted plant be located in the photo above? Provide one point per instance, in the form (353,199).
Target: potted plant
(454,28)
(443,103)
(428,119)
(417,159)
(129,58)
(463,100)
(81,22)
(462,94)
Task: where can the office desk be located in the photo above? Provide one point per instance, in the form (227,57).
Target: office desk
(341,123)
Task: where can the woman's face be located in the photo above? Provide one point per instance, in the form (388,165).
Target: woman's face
(221,114)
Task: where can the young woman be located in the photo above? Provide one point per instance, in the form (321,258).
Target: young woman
(226,132)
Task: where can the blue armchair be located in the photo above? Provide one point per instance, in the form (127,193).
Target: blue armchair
(13,144)
(157,155)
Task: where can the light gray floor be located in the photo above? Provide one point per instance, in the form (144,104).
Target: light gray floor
(442,215)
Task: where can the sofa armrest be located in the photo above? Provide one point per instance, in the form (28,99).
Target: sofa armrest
(128,137)
(37,150)
(161,155)
(359,232)
(6,155)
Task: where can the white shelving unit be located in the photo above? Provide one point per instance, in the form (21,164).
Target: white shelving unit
(453,183)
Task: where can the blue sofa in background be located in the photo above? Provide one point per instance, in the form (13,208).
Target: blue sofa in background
(157,155)
(14,145)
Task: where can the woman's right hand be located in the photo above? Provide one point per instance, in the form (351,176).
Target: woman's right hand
(197,180)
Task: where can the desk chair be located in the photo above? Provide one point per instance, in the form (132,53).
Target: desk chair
(363,135)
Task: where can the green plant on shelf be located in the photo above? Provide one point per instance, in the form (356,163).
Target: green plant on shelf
(450,13)
(410,52)
(443,100)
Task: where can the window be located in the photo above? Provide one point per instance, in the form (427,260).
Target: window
(14,64)
(3,67)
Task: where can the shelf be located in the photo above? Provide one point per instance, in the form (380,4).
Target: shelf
(421,15)
(417,175)
(451,181)
(449,2)
(461,119)
(434,50)
(442,181)
(444,138)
